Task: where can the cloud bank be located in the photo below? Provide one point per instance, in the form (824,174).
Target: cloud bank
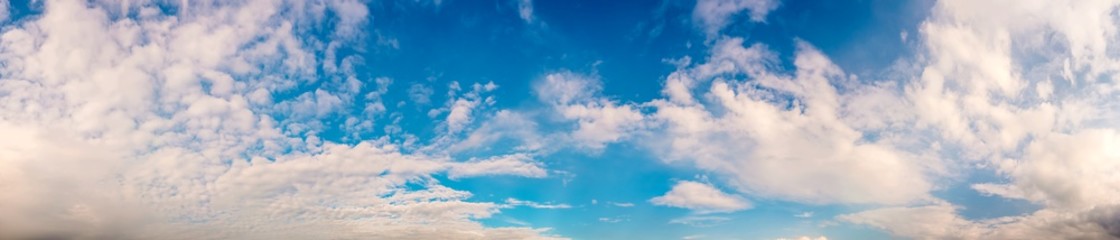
(126,121)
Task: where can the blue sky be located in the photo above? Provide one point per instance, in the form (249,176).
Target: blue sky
(547,119)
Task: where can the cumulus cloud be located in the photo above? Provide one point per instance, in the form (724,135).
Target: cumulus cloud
(461,109)
(599,120)
(172,126)
(1039,111)
(755,126)
(700,197)
(713,15)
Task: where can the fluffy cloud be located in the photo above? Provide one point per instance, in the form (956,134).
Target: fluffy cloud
(713,15)
(167,126)
(700,197)
(1029,92)
(599,120)
(988,91)
(778,136)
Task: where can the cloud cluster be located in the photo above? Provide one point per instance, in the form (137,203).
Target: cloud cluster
(1028,90)
(782,136)
(1028,94)
(126,121)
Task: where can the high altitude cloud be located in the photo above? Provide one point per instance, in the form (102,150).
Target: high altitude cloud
(700,197)
(122,121)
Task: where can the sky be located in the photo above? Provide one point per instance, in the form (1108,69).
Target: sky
(559,119)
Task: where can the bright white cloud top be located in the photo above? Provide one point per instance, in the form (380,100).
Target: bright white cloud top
(700,197)
(262,119)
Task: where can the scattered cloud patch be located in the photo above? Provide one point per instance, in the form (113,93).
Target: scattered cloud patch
(512,202)
(525,10)
(516,164)
(700,221)
(622,204)
(700,197)
(713,15)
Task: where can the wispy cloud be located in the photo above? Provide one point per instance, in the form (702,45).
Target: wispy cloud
(513,202)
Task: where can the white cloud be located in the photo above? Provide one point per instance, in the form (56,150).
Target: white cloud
(622,204)
(420,94)
(701,198)
(699,221)
(515,164)
(166,127)
(512,202)
(713,15)
(610,220)
(1043,121)
(599,120)
(461,110)
(804,215)
(755,130)
(525,10)
(505,124)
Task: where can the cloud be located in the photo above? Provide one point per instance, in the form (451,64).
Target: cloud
(713,15)
(174,126)
(525,10)
(700,221)
(804,215)
(1041,121)
(623,204)
(5,13)
(420,94)
(701,198)
(599,121)
(512,202)
(942,222)
(610,220)
(516,164)
(460,110)
(753,126)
